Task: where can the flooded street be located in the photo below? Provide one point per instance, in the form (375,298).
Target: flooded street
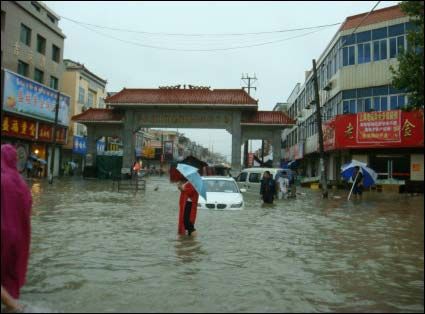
(94,250)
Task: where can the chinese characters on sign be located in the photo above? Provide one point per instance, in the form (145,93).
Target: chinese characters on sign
(407,128)
(26,97)
(382,126)
(80,145)
(164,118)
(18,127)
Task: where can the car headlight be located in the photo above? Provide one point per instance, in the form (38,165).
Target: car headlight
(237,205)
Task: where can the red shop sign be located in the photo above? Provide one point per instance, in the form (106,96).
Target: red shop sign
(18,127)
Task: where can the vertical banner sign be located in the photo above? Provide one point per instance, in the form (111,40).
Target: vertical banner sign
(168,150)
(80,145)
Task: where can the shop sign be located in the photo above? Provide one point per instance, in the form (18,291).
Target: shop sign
(394,128)
(28,98)
(18,127)
(378,127)
(148,152)
(45,132)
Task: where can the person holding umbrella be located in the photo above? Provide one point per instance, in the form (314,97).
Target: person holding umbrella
(357,182)
(362,176)
(191,186)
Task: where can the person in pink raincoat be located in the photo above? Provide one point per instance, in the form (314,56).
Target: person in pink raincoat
(16,202)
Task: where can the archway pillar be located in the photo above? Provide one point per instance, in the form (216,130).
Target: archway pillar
(236,142)
(128,140)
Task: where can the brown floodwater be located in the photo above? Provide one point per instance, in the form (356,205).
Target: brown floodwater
(95,250)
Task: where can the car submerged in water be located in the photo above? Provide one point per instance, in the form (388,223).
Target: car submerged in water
(222,194)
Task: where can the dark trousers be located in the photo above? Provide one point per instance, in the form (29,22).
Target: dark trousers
(268,198)
(190,227)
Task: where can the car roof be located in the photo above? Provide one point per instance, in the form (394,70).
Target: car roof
(262,169)
(218,178)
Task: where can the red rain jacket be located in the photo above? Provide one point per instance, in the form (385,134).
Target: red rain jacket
(188,192)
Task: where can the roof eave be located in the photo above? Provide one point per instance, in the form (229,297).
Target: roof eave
(181,105)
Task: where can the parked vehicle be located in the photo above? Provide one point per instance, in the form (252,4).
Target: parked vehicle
(222,194)
(250,178)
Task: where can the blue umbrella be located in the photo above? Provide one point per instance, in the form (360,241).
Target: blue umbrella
(369,175)
(293,164)
(42,161)
(192,174)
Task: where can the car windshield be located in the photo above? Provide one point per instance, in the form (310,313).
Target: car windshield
(221,186)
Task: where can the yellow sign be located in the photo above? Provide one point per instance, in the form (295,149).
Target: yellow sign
(148,152)
(416,167)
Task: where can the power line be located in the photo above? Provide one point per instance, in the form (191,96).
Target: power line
(198,34)
(361,22)
(198,50)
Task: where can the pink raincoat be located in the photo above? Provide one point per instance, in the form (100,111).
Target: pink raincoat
(16,204)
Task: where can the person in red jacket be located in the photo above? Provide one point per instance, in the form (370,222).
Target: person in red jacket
(188,208)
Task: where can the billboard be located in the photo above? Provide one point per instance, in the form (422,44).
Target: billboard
(28,98)
(393,128)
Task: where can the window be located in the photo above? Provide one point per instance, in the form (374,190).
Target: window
(397,102)
(349,106)
(396,46)
(23,68)
(55,53)
(242,177)
(38,75)
(363,53)
(25,35)
(91,99)
(54,82)
(35,5)
(254,177)
(379,50)
(367,105)
(51,18)
(81,95)
(380,103)
(41,44)
(348,55)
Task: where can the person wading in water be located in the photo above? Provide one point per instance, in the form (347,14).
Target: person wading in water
(268,188)
(188,208)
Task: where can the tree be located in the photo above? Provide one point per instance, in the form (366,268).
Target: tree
(410,73)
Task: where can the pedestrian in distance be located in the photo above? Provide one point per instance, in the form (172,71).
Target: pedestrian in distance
(188,204)
(29,167)
(357,182)
(16,202)
(268,188)
(136,168)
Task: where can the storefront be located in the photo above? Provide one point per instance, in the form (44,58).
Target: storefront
(28,115)
(387,141)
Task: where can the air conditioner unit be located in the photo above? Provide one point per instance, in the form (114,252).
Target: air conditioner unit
(328,86)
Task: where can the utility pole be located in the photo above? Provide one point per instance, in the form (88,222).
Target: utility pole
(320,133)
(52,163)
(247,80)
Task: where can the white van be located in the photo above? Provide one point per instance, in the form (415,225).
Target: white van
(250,178)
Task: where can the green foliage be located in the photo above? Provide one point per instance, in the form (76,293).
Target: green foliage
(410,72)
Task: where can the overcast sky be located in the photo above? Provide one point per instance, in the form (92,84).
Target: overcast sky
(278,66)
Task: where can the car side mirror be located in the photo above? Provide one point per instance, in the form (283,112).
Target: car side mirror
(243,190)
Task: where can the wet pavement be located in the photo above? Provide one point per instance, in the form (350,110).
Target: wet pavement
(95,250)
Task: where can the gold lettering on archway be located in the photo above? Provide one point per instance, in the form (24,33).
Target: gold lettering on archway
(168,118)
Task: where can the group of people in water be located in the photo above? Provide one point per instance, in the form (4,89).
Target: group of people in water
(283,186)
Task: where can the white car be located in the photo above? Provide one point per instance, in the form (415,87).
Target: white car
(222,194)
